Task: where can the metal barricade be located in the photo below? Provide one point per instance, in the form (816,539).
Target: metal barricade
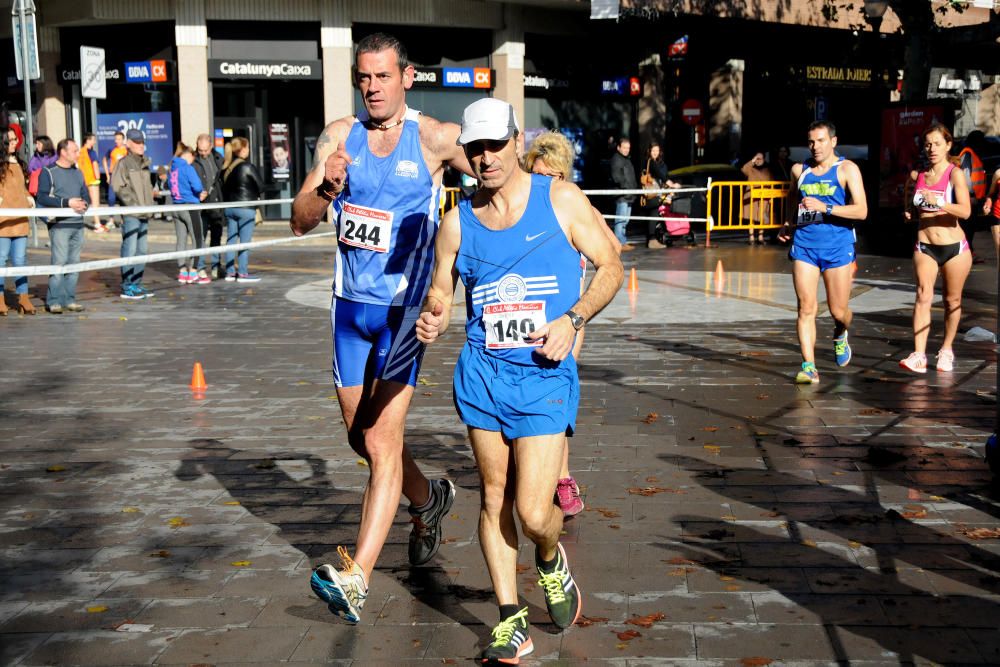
(449,200)
(745,205)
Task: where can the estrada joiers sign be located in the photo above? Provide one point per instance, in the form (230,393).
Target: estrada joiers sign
(265,69)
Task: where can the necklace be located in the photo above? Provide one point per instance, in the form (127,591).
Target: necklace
(384,126)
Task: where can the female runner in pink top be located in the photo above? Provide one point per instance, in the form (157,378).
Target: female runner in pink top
(940,200)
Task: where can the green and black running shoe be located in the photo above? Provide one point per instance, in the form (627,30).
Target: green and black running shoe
(562,595)
(510,641)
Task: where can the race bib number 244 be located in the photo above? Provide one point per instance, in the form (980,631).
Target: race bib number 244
(364,227)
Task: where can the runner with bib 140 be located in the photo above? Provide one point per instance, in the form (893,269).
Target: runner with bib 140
(829,197)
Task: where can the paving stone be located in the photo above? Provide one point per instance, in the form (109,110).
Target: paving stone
(811,525)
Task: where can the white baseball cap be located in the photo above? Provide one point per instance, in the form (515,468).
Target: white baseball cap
(490,118)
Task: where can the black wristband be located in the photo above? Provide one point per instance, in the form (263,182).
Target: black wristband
(327,190)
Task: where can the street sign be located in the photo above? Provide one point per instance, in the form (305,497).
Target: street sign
(92,81)
(691,112)
(34,72)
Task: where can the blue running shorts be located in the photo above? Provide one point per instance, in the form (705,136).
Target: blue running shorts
(372,341)
(519,400)
(823,258)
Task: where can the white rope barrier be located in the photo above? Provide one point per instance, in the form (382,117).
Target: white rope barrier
(137,211)
(146,211)
(612,216)
(95,265)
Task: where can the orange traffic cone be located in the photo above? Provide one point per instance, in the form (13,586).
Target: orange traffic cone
(633,281)
(198,378)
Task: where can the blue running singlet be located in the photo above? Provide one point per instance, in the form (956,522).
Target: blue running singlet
(516,279)
(387,220)
(816,229)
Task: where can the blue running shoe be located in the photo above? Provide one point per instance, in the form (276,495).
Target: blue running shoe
(344,592)
(131,292)
(842,350)
(808,374)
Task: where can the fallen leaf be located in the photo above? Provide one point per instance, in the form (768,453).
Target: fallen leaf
(726,577)
(231,502)
(177,522)
(96,609)
(652,480)
(937,499)
(55,469)
(713,448)
(607,514)
(651,490)
(677,560)
(647,620)
(914,514)
(981,533)
(332,397)
(651,417)
(733,587)
(771,515)
(614,526)
(854,545)
(680,571)
(808,543)
(628,635)
(240,563)
(416,643)
(362,462)
(710,429)
(427,383)
(728,517)
(762,397)
(162,553)
(428,393)
(755,662)
(129,510)
(123,319)
(587,621)
(523,568)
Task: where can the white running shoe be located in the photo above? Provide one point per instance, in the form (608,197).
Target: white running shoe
(945,360)
(916,362)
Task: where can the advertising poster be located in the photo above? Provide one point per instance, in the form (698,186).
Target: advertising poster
(280,151)
(156,125)
(902,149)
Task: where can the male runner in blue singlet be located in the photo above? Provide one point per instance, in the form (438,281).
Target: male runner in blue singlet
(381,171)
(516,246)
(829,197)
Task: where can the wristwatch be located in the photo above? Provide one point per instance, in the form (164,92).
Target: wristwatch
(829,209)
(576,320)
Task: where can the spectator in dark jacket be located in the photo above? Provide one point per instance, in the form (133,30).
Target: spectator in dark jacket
(208,164)
(133,188)
(186,188)
(623,176)
(240,182)
(61,185)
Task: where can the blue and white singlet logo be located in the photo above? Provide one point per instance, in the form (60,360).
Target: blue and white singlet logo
(407,168)
(511,288)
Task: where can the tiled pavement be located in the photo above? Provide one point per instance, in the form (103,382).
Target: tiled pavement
(741,518)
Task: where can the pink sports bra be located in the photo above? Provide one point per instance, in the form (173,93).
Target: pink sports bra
(942,188)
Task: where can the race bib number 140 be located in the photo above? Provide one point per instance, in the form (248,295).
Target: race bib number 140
(508,324)
(364,227)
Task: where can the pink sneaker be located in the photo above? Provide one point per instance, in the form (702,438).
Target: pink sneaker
(184,277)
(916,362)
(568,496)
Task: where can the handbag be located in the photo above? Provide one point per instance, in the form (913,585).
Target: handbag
(647,182)
(258,217)
(33,182)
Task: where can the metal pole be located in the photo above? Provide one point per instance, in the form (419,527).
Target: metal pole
(29,134)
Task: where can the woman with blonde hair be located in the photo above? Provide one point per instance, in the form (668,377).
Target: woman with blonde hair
(940,201)
(241,182)
(551,154)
